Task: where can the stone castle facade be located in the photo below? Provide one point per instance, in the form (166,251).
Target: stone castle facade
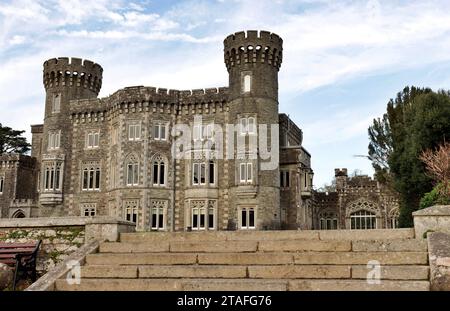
(116,156)
(359,202)
(119,155)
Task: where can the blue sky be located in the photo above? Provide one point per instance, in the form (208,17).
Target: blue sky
(342,60)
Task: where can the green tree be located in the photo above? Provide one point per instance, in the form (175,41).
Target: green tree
(11,141)
(416,120)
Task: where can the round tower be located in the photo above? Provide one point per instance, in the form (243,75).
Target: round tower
(256,55)
(253,60)
(64,80)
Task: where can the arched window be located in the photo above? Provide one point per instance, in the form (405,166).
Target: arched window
(363,220)
(18,214)
(52,176)
(394,215)
(328,221)
(91,176)
(159,171)
(132,171)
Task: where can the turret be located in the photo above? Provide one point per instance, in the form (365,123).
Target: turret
(253,61)
(64,80)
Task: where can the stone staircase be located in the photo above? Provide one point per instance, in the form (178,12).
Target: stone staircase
(256,261)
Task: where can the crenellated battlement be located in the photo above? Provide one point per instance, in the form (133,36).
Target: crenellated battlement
(141,98)
(253,47)
(72,72)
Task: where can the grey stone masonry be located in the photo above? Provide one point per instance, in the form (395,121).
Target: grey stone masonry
(116,156)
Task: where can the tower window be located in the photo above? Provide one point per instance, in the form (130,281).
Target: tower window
(132,174)
(160,131)
(159,172)
(52,176)
(56,103)
(2,180)
(247,83)
(91,177)
(54,140)
(246,172)
(134,132)
(92,139)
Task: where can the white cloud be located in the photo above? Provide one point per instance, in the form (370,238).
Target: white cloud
(325,42)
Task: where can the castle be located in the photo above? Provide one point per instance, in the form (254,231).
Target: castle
(121,155)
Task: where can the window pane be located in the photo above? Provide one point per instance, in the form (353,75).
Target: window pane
(135,174)
(244,125)
(155,173)
(251,218)
(163,132)
(52,172)
(138,131)
(194,218)
(128,216)
(129,174)
(334,223)
(244,218)
(85,179)
(131,132)
(287,180)
(202,219)
(91,179)
(243,171)
(247,83)
(134,217)
(154,218)
(281,179)
(249,172)
(96,139)
(47,178)
(97,179)
(202,173)
(162,176)
(57,174)
(161,220)
(156,131)
(211,172)
(251,125)
(211,218)
(195,173)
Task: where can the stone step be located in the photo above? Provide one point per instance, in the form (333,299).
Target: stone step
(393,272)
(229,246)
(142,259)
(214,246)
(357,285)
(218,236)
(361,258)
(258,272)
(376,234)
(395,245)
(139,247)
(237,285)
(260,258)
(305,245)
(299,272)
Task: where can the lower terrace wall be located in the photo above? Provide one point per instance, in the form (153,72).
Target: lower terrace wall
(61,236)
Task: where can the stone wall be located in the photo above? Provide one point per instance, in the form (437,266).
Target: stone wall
(57,242)
(61,236)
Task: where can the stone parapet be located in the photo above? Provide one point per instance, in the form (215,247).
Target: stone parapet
(432,219)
